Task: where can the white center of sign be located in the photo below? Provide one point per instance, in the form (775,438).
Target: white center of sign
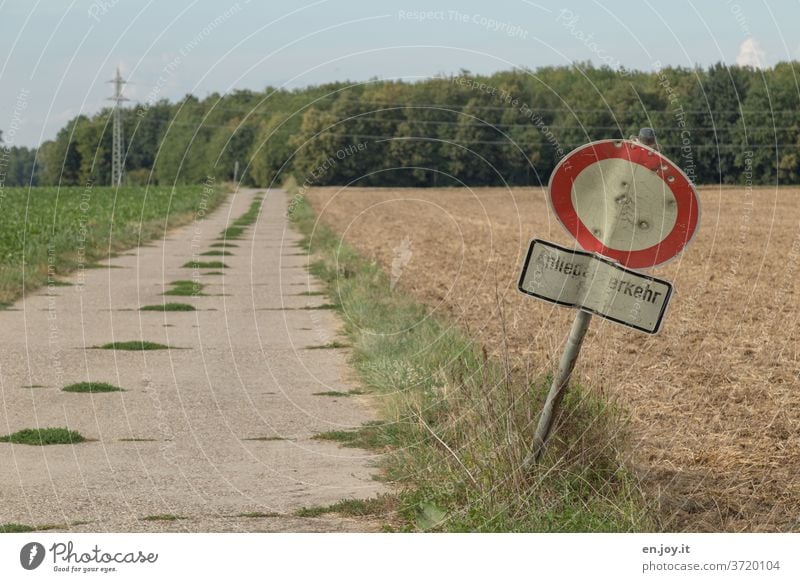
(624,205)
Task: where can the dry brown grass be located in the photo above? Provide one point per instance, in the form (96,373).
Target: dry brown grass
(713,400)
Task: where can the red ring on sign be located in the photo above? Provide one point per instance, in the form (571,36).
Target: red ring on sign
(688,209)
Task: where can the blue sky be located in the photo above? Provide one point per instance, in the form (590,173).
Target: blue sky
(55,55)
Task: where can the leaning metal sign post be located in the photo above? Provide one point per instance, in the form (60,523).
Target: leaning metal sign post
(629,208)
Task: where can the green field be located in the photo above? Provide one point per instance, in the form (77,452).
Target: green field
(47,232)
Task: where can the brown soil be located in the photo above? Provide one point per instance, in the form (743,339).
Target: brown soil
(713,399)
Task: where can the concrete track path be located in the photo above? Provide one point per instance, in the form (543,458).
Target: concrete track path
(219,426)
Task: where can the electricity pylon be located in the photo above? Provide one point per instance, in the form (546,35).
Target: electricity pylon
(117,147)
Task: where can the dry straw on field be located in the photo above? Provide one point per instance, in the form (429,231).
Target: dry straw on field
(713,400)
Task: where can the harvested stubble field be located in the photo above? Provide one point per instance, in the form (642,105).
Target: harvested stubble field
(713,400)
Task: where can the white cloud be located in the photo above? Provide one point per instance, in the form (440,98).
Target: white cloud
(751,54)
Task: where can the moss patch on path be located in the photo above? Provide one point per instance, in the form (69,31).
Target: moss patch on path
(351,507)
(91,387)
(205,265)
(235,230)
(185,288)
(337,394)
(334,345)
(141,346)
(44,436)
(169,307)
(22,528)
(163,517)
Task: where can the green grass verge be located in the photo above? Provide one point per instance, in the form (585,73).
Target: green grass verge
(168,307)
(91,387)
(185,288)
(457,424)
(43,436)
(216,254)
(223,245)
(141,346)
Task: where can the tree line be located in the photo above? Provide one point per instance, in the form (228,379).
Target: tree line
(510,127)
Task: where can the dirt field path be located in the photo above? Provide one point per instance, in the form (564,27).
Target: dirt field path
(217,427)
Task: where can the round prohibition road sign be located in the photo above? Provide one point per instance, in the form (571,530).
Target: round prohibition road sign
(625,201)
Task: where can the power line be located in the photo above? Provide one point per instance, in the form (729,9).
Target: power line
(746,146)
(566,109)
(532,125)
(742,146)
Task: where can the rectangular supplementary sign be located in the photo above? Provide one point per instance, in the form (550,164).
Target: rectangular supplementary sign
(595,284)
